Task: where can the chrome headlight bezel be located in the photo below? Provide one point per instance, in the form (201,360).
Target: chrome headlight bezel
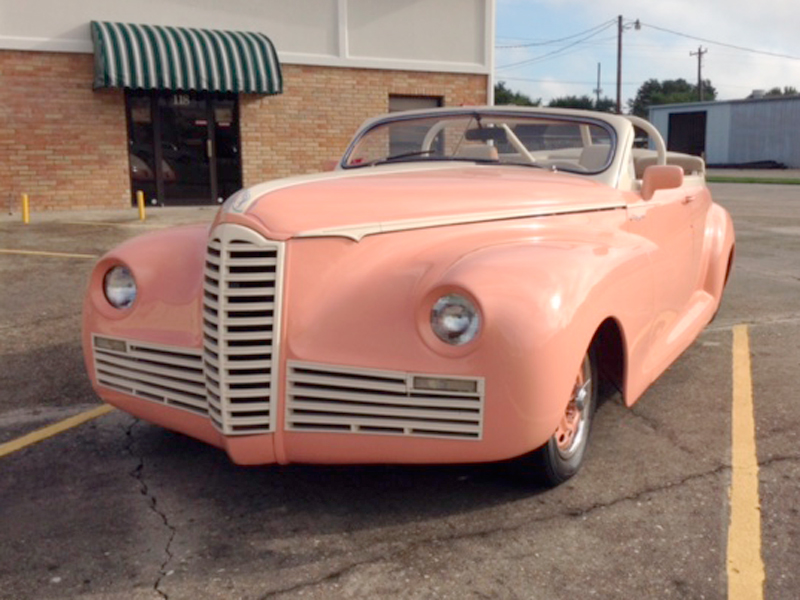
(119,287)
(455,319)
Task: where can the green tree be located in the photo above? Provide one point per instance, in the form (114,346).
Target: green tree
(584,102)
(503,95)
(670,91)
(606,105)
(788,90)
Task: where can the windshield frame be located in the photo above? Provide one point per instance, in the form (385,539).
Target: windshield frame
(479,114)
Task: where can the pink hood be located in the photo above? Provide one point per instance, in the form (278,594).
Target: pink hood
(381,198)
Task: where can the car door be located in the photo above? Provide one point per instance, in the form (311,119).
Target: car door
(668,221)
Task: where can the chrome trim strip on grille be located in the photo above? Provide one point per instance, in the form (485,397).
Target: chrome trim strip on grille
(169,375)
(241,329)
(326,398)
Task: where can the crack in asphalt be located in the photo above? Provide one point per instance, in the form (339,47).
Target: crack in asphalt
(660,429)
(651,490)
(332,576)
(138,474)
(344,570)
(485,533)
(778,459)
(651,423)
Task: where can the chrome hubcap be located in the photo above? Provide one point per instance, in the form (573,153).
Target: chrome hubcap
(573,428)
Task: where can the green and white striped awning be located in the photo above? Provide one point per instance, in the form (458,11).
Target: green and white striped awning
(176,58)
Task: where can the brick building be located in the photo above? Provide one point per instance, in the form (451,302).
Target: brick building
(87,118)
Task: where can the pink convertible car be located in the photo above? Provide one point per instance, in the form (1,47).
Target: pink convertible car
(453,291)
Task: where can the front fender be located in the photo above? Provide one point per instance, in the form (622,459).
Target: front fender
(168,269)
(542,300)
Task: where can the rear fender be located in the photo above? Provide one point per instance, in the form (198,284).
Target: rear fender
(717,250)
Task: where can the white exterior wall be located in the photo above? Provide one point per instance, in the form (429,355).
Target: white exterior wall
(455,36)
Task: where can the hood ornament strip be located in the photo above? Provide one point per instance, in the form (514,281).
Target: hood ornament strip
(358,232)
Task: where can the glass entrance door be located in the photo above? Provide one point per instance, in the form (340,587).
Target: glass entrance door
(226,148)
(184,147)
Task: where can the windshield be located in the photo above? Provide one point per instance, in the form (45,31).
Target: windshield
(559,143)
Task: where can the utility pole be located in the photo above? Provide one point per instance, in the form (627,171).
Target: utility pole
(620,28)
(598,90)
(699,55)
(619,65)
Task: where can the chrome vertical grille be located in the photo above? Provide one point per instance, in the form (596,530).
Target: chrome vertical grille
(241,316)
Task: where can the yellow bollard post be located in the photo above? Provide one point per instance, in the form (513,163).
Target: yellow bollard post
(140,203)
(26,209)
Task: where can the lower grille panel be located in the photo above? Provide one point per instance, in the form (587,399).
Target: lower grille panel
(172,376)
(325,398)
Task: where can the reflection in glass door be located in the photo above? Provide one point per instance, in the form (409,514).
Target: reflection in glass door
(184,147)
(141,149)
(226,148)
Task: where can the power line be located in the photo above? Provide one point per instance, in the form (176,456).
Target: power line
(734,46)
(557,51)
(563,52)
(624,83)
(557,41)
(657,48)
(566,82)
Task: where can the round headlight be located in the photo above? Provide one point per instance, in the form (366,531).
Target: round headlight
(455,320)
(119,287)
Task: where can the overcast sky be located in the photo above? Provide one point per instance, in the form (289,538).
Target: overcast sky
(767,25)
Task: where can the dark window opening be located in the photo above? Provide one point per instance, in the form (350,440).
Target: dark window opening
(408,140)
(687,133)
(184,147)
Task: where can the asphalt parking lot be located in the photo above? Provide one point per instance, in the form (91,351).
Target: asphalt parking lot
(117,508)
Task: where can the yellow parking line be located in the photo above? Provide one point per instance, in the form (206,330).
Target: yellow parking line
(54,429)
(745,565)
(42,253)
(100,223)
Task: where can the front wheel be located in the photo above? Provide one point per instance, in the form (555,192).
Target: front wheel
(562,456)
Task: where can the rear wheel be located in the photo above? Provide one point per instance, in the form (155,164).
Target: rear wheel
(562,456)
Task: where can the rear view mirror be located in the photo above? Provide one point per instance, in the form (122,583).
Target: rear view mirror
(660,177)
(485,134)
